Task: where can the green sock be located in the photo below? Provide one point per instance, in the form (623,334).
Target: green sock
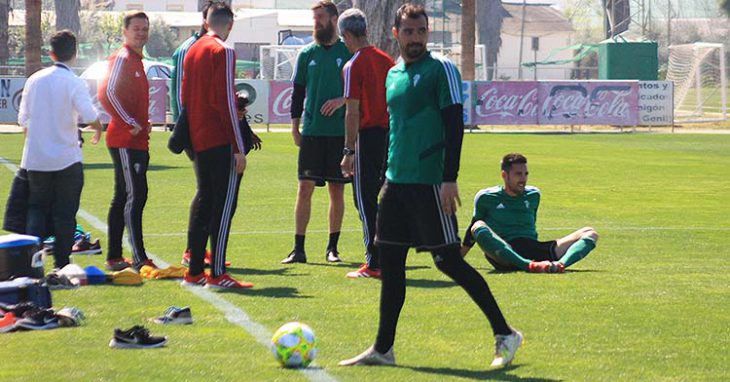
(491,243)
(577,251)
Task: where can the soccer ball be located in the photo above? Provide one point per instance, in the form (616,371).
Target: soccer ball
(294,345)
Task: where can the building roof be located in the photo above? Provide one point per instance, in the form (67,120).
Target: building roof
(541,19)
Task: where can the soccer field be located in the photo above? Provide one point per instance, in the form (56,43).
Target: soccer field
(651,303)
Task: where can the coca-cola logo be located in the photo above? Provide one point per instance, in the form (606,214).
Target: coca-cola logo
(282,103)
(574,101)
(507,104)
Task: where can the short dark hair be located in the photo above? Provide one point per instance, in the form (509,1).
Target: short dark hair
(328,5)
(63,45)
(512,158)
(206,6)
(135,15)
(411,11)
(219,14)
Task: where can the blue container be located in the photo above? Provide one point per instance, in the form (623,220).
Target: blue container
(20,255)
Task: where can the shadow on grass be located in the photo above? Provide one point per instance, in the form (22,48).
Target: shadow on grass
(259,272)
(108,166)
(278,292)
(343,264)
(491,375)
(426,283)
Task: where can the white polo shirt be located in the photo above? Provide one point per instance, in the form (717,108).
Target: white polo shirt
(53,99)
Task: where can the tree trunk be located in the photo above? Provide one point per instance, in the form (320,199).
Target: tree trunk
(4,49)
(67,15)
(381,15)
(725,6)
(32,36)
(490,14)
(467,39)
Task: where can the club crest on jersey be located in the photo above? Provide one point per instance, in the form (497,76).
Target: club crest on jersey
(136,74)
(501,206)
(416,78)
(527,204)
(339,62)
(312,63)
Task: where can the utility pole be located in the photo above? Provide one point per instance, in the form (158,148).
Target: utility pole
(669,23)
(522,38)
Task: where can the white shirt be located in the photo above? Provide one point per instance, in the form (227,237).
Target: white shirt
(53,99)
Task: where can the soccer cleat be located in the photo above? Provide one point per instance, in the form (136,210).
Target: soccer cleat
(225,281)
(557,267)
(137,337)
(189,280)
(84,246)
(175,316)
(119,264)
(333,256)
(539,267)
(70,317)
(145,263)
(506,347)
(38,319)
(7,322)
(364,271)
(371,357)
(208,258)
(295,257)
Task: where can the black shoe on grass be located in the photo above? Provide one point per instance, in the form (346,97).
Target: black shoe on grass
(137,337)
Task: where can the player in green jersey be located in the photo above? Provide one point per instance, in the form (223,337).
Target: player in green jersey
(419,199)
(318,75)
(504,227)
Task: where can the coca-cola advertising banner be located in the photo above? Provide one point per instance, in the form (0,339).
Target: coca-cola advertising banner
(280,101)
(556,103)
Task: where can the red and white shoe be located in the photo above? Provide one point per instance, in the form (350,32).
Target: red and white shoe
(225,281)
(7,322)
(364,271)
(197,280)
(208,258)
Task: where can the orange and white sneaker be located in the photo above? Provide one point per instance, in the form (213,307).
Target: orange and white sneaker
(225,281)
(364,271)
(208,258)
(197,280)
(7,322)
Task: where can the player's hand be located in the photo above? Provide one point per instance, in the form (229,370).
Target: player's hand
(348,165)
(297,135)
(240,160)
(331,106)
(135,130)
(96,137)
(450,197)
(256,142)
(241,113)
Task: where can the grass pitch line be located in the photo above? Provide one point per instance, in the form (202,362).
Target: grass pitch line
(233,314)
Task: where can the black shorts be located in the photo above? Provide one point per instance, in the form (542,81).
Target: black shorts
(319,160)
(411,215)
(529,249)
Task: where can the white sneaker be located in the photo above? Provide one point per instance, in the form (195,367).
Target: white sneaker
(506,347)
(371,357)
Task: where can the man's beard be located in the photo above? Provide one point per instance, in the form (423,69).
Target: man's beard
(324,35)
(414,50)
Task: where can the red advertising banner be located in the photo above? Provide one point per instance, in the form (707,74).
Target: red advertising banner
(556,103)
(280,101)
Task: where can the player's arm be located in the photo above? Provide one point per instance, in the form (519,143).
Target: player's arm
(115,87)
(24,110)
(299,81)
(452,115)
(352,92)
(83,105)
(231,105)
(176,81)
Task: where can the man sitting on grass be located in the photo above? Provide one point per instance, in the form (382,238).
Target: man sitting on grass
(504,227)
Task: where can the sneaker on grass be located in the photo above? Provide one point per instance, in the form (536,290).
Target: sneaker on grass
(371,357)
(333,256)
(506,347)
(365,272)
(225,281)
(190,280)
(136,337)
(295,257)
(38,319)
(119,264)
(175,316)
(84,246)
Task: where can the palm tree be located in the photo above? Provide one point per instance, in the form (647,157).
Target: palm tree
(490,14)
(32,36)
(467,39)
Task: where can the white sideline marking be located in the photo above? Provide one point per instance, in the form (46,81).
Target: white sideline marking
(233,314)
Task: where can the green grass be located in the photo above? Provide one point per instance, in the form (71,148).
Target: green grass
(651,303)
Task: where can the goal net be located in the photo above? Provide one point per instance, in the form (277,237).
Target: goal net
(278,61)
(700,87)
(453,52)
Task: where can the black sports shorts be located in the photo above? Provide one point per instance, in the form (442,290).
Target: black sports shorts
(319,160)
(529,249)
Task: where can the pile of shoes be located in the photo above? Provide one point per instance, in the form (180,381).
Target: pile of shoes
(28,316)
(83,244)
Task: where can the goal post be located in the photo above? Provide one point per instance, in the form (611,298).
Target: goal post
(278,61)
(700,84)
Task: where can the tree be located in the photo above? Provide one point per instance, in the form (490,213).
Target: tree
(490,14)
(67,15)
(725,6)
(33,36)
(4,36)
(380,22)
(467,39)
(162,42)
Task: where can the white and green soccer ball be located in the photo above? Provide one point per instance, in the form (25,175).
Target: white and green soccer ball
(294,345)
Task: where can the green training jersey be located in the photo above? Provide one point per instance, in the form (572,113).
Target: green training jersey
(509,217)
(319,70)
(416,93)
